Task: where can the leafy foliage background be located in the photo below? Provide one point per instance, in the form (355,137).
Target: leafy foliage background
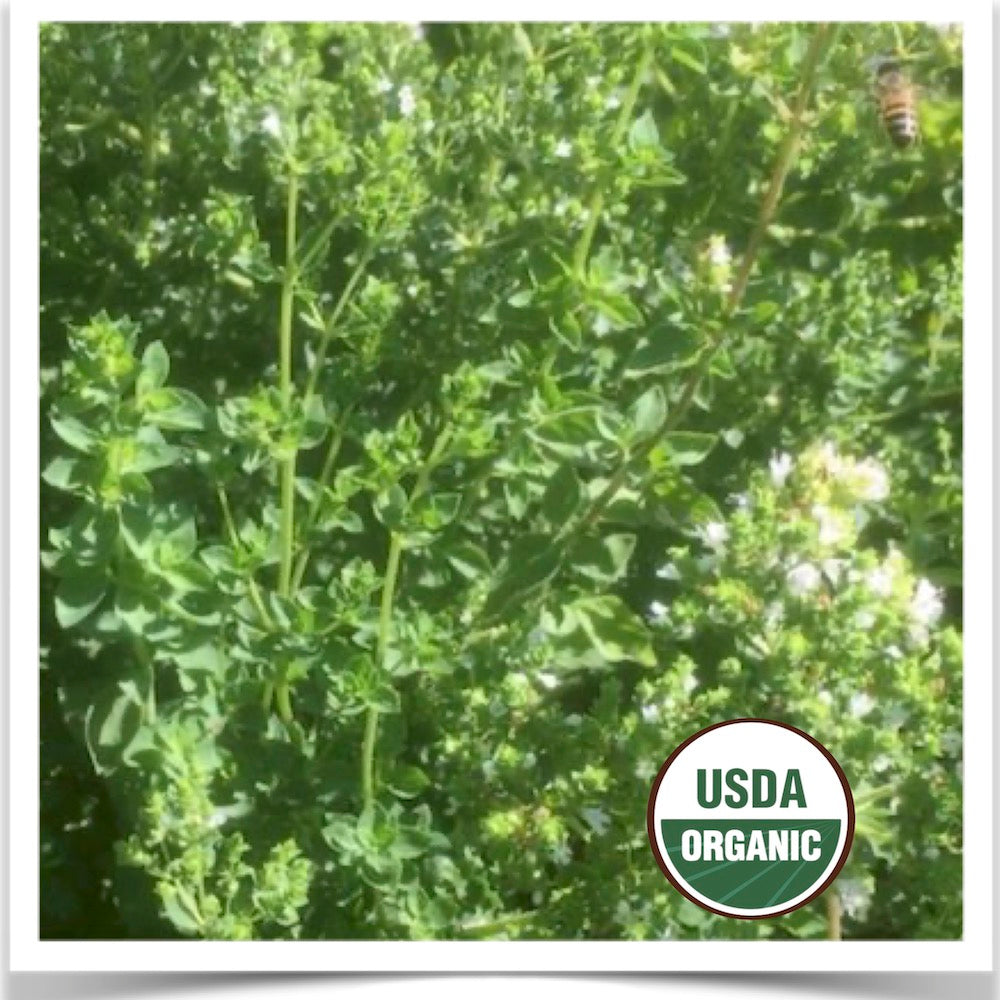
(511,245)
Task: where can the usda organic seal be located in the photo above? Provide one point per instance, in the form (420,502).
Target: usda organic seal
(750,818)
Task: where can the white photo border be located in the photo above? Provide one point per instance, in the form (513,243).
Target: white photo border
(28,953)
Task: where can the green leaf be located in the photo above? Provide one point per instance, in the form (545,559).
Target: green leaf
(77,596)
(112,723)
(617,634)
(152,451)
(390,506)
(722,365)
(686,59)
(689,447)
(664,351)
(648,413)
(644,134)
(315,423)
(532,561)
(469,559)
(138,531)
(568,433)
(155,367)
(174,409)
(341,833)
(64,473)
(562,496)
(180,909)
(604,559)
(682,506)
(135,609)
(518,495)
(407,781)
(74,433)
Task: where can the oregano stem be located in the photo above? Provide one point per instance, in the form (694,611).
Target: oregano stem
(381,653)
(390,579)
(285,383)
(834,912)
(234,541)
(331,325)
(287,469)
(329,462)
(596,204)
(782,166)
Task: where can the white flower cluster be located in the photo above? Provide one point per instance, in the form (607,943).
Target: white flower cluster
(865,480)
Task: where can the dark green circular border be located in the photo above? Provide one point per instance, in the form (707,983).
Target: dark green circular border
(651,823)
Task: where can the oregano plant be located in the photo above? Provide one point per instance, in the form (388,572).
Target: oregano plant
(449,420)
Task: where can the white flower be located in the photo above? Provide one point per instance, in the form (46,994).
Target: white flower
(548,680)
(830,530)
(650,713)
(802,578)
(602,325)
(597,820)
(864,619)
(893,652)
(774,614)
(830,461)
(951,742)
(781,467)
(657,610)
(872,480)
(718,252)
(271,124)
(733,437)
(854,897)
(881,763)
(879,581)
(714,534)
(668,572)
(560,854)
(895,715)
(926,605)
(741,501)
(612,101)
(833,569)
(860,704)
(407,102)
(529,760)
(645,769)
(383,86)
(564,149)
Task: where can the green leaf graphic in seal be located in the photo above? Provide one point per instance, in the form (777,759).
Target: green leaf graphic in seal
(754,884)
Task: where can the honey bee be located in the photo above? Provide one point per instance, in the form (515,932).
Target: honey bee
(897,98)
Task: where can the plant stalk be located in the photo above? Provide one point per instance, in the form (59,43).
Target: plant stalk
(782,167)
(333,450)
(834,912)
(385,621)
(327,335)
(596,205)
(285,384)
(384,629)
(287,470)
